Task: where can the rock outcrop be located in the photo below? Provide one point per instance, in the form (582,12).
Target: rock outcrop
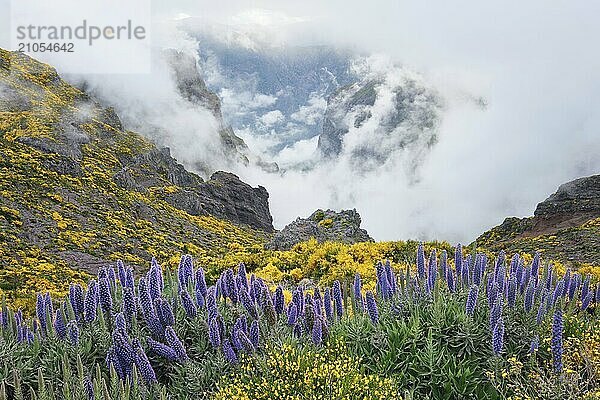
(343,226)
(565,226)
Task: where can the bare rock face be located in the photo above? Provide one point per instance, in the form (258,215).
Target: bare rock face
(573,203)
(193,88)
(323,226)
(225,196)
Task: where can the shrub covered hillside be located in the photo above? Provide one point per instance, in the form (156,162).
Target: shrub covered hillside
(465,326)
(77,191)
(565,226)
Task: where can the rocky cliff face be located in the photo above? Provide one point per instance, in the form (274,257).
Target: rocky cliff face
(193,88)
(565,226)
(343,226)
(76,188)
(407,116)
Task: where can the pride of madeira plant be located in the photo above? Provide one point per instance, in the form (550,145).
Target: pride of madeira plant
(446,329)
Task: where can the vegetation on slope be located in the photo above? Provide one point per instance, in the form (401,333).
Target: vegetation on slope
(60,205)
(451,327)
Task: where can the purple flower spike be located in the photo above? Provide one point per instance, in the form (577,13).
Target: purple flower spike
(421,261)
(496,312)
(175,344)
(557,340)
(585,303)
(112,360)
(535,344)
(143,364)
(458,258)
(585,288)
(59,325)
(358,291)
(188,305)
(128,304)
(337,298)
(121,273)
(242,274)
(529,297)
(40,310)
(211,303)
(120,322)
(327,304)
(73,332)
(245,342)
(512,292)
(498,337)
(201,282)
(432,272)
(535,267)
(229,352)
(76,299)
(451,280)
(91,302)
(279,300)
(444,264)
(372,307)
(161,350)
(472,300)
(105,296)
(292,314)
(214,334)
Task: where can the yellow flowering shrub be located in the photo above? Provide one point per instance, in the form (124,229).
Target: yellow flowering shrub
(287,372)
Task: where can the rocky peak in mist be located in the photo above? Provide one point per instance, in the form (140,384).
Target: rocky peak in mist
(273,91)
(379,129)
(193,88)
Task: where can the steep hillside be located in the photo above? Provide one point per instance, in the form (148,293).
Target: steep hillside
(78,190)
(565,226)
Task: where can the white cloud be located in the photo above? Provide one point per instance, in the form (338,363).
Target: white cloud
(533,63)
(271,118)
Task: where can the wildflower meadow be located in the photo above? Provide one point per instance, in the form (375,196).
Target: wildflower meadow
(450,326)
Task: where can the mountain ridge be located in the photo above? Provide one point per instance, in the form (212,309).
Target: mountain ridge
(79,190)
(565,227)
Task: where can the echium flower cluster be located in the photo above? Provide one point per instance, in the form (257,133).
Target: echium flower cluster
(372,307)
(60,326)
(337,299)
(432,271)
(142,363)
(557,340)
(421,262)
(498,337)
(185,272)
(41,312)
(458,260)
(358,298)
(472,300)
(104,295)
(90,305)
(279,300)
(76,300)
(529,297)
